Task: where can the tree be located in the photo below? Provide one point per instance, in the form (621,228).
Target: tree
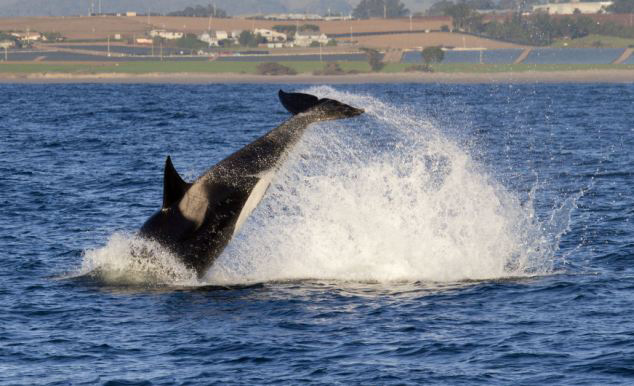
(190,41)
(285,28)
(438,8)
(248,38)
(375,59)
(201,11)
(459,13)
(380,8)
(309,28)
(432,55)
(622,6)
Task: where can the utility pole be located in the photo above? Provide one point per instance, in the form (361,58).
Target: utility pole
(108,45)
(6,53)
(385,11)
(320,58)
(100,7)
(410,22)
(211,15)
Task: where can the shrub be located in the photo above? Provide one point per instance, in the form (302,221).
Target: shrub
(309,27)
(432,55)
(419,68)
(330,68)
(274,69)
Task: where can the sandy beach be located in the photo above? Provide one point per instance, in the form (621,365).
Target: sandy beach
(587,76)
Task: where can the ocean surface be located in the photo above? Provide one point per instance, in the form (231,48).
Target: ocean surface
(453,234)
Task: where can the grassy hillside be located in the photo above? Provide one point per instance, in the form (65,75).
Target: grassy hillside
(595,41)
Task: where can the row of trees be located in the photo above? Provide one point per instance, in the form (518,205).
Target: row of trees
(380,8)
(537,29)
(201,11)
(291,30)
(622,6)
(542,29)
(249,39)
(364,10)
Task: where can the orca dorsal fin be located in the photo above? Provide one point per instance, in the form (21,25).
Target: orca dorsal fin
(174,187)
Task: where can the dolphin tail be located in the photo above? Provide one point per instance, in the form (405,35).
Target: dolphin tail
(327,109)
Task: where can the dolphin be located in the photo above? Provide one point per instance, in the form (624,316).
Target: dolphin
(197,220)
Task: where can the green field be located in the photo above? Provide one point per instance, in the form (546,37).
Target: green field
(301,67)
(165,67)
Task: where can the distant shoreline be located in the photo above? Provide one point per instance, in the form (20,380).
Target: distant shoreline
(580,76)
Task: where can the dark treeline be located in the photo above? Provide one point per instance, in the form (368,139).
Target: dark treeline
(379,8)
(201,11)
(537,29)
(291,30)
(541,29)
(622,6)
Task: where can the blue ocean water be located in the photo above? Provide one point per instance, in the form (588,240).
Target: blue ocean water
(455,234)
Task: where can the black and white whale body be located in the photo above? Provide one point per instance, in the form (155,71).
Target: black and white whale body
(197,220)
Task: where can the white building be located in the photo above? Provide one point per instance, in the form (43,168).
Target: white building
(335,18)
(213,38)
(291,16)
(6,44)
(169,35)
(28,36)
(270,35)
(305,40)
(569,8)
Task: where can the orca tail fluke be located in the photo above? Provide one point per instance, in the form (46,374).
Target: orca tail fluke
(327,109)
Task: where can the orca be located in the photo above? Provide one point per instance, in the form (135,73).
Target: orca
(197,220)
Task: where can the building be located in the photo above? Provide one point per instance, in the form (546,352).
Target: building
(305,40)
(6,44)
(28,36)
(168,35)
(130,14)
(147,41)
(270,35)
(288,16)
(336,18)
(572,7)
(213,38)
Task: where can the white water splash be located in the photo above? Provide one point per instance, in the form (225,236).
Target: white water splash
(385,197)
(395,200)
(131,260)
